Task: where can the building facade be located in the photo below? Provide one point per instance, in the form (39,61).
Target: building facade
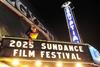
(17,18)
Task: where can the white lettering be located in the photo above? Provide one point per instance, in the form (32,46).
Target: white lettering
(65,48)
(54,47)
(63,55)
(59,55)
(72,27)
(31,44)
(67,55)
(23,53)
(77,55)
(71,48)
(43,46)
(73,56)
(25,44)
(31,53)
(42,54)
(21,44)
(60,47)
(71,24)
(49,46)
(18,44)
(15,52)
(47,54)
(53,55)
(73,33)
(75,38)
(12,42)
(76,48)
(81,49)
(20,53)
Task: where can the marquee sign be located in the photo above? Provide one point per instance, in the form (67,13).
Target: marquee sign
(44,50)
(74,35)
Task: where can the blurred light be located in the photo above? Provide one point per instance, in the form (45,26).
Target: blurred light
(78,65)
(25,66)
(66,4)
(59,64)
(46,66)
(3,65)
(15,62)
(38,63)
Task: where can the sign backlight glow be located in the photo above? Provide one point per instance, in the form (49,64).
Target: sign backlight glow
(44,50)
(74,35)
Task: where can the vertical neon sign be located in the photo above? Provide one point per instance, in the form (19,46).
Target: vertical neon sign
(74,35)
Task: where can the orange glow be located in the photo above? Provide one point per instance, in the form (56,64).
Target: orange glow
(38,63)
(59,64)
(15,62)
(78,65)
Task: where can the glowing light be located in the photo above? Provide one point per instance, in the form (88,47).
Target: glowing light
(25,66)
(38,63)
(46,66)
(15,62)
(74,35)
(3,65)
(59,64)
(66,4)
(78,65)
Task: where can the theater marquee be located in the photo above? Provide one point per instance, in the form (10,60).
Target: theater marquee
(44,50)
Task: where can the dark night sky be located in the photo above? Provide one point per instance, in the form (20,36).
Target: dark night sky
(87,14)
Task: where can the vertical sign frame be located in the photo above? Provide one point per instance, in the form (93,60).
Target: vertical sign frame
(73,32)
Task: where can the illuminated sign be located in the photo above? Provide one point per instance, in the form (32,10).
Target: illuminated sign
(44,50)
(95,54)
(74,35)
